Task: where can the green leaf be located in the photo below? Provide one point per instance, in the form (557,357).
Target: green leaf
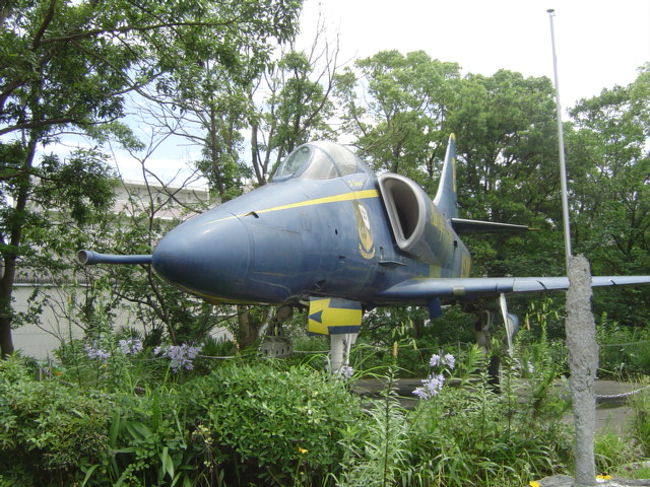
(167,462)
(89,473)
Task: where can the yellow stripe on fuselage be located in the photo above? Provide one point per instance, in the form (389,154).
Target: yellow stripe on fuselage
(354,195)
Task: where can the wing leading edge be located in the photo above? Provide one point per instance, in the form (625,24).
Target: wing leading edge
(427,289)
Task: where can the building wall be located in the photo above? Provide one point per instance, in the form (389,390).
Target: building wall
(39,340)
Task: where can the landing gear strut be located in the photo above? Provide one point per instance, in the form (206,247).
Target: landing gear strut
(486,318)
(340,345)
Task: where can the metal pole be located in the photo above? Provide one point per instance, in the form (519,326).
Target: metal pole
(560,139)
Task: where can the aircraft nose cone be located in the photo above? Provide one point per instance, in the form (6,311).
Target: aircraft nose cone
(207,255)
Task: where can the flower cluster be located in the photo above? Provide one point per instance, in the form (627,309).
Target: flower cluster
(181,356)
(432,385)
(96,353)
(447,360)
(130,346)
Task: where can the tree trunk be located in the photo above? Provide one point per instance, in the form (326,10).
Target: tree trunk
(248,327)
(10,254)
(6,342)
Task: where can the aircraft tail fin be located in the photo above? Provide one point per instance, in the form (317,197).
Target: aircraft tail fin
(445,199)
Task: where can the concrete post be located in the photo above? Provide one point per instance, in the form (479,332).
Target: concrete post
(583,364)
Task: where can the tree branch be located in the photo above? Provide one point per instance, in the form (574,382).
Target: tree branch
(46,22)
(131,28)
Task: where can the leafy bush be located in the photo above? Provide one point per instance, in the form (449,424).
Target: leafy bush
(471,435)
(376,448)
(270,426)
(641,423)
(253,422)
(50,430)
(479,438)
(624,350)
(148,442)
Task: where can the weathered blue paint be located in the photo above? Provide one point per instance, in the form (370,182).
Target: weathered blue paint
(297,238)
(328,227)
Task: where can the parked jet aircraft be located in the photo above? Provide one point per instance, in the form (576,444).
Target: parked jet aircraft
(328,233)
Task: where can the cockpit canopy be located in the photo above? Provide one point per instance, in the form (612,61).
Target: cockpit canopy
(319,160)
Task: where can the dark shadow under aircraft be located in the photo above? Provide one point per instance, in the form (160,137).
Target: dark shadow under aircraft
(330,234)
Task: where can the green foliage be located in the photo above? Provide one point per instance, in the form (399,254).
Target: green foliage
(641,422)
(399,120)
(540,348)
(268,424)
(613,452)
(480,437)
(310,351)
(376,449)
(624,350)
(409,337)
(50,430)
(68,194)
(81,184)
(263,423)
(453,327)
(612,195)
(148,443)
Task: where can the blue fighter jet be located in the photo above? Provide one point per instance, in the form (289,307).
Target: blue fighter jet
(329,234)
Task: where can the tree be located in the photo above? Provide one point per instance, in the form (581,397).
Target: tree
(282,102)
(292,103)
(401,126)
(507,170)
(66,66)
(402,108)
(610,172)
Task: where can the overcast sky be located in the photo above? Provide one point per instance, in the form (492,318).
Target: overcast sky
(599,43)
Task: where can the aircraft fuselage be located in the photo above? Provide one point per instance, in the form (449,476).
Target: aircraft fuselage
(291,240)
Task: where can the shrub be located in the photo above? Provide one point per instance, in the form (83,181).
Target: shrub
(50,430)
(148,442)
(477,437)
(624,350)
(376,448)
(472,435)
(269,426)
(266,423)
(641,421)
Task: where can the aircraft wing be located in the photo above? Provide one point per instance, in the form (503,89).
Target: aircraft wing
(430,288)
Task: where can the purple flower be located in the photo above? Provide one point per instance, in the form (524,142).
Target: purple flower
(434,360)
(96,353)
(449,360)
(130,346)
(181,356)
(430,386)
(420,392)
